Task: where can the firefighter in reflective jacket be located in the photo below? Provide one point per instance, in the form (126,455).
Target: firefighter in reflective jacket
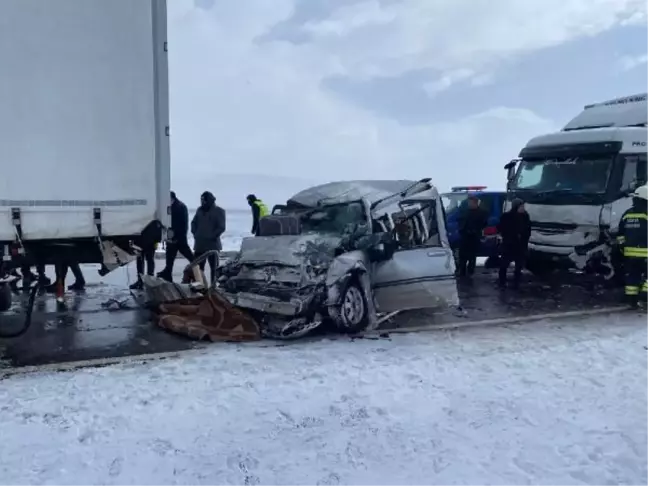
(633,238)
(259,210)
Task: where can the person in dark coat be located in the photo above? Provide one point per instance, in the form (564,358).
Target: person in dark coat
(472,222)
(515,230)
(207,226)
(177,237)
(148,242)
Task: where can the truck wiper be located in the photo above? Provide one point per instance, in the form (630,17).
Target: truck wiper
(553,191)
(571,192)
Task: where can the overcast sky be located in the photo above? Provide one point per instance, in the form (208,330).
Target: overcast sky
(268,96)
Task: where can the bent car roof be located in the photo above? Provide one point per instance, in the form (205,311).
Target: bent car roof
(348,191)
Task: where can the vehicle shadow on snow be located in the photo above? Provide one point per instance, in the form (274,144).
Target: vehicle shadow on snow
(481,299)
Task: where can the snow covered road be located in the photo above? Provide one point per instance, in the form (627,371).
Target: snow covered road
(550,403)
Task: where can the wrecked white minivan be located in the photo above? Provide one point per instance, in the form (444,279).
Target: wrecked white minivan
(344,252)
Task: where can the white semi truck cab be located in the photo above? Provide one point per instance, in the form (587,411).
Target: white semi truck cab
(576,184)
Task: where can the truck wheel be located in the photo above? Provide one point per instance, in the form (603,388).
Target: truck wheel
(352,315)
(5,297)
(540,268)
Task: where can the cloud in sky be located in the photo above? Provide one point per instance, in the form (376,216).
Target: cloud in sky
(631,62)
(262,88)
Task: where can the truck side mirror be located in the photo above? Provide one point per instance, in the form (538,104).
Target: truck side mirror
(510,169)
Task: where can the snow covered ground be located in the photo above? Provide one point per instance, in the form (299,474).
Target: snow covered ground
(548,403)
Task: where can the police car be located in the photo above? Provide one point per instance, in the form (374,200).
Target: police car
(492,202)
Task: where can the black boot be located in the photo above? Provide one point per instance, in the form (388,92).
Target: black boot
(78,285)
(51,288)
(166,275)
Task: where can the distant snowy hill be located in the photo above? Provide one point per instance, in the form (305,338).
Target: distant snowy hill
(231,189)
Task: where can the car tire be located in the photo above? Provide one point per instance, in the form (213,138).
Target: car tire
(352,314)
(5,297)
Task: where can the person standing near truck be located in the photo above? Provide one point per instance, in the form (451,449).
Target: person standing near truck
(28,277)
(472,222)
(61,271)
(207,226)
(147,242)
(177,242)
(515,230)
(633,238)
(259,210)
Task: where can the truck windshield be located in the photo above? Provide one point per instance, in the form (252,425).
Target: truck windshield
(582,174)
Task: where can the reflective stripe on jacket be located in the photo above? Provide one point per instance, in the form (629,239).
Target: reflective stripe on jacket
(263,209)
(633,233)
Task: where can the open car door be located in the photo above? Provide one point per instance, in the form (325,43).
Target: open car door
(421,272)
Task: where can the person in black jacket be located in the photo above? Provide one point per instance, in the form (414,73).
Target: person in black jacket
(147,241)
(177,237)
(515,230)
(207,227)
(472,222)
(633,238)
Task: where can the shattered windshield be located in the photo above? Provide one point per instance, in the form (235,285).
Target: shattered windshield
(583,174)
(335,219)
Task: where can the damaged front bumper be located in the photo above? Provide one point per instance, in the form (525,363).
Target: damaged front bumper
(269,305)
(279,319)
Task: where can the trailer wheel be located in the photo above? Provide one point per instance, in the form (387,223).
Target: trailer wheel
(5,297)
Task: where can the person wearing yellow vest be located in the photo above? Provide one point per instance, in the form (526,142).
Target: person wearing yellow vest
(259,210)
(633,239)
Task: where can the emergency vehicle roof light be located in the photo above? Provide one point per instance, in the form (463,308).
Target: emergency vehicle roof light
(468,188)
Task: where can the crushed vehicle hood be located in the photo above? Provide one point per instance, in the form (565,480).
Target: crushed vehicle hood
(313,250)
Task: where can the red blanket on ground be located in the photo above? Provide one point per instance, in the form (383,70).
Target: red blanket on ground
(207,317)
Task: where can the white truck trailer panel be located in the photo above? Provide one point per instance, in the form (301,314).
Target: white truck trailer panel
(84,116)
(629,111)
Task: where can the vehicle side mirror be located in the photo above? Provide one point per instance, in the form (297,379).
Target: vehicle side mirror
(510,169)
(629,189)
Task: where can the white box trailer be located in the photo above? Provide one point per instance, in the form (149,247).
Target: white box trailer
(84,126)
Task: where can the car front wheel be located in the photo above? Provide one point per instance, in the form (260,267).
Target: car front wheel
(352,315)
